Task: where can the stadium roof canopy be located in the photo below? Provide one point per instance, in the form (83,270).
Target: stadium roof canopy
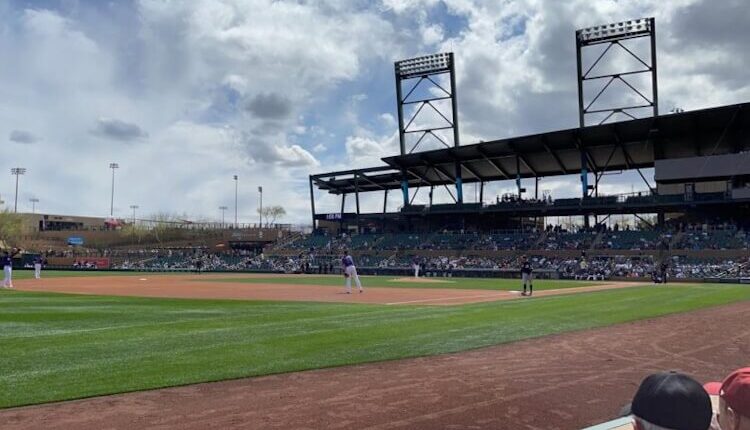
(607,147)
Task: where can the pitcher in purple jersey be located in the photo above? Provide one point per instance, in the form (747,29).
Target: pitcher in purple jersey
(347,264)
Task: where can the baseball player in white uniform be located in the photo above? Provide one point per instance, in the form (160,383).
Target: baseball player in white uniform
(7,262)
(38,267)
(415,266)
(347,263)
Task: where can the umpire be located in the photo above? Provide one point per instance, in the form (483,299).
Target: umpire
(527,276)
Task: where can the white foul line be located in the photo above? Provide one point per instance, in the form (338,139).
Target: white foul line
(446,299)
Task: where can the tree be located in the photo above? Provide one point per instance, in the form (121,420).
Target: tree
(11,227)
(272,213)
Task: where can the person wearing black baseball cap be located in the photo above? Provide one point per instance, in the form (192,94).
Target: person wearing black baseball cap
(671,401)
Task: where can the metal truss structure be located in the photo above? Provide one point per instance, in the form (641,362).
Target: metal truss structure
(613,35)
(413,73)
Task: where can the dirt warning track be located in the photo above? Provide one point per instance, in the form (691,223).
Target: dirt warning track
(217,287)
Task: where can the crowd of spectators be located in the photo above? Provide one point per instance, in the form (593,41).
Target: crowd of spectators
(680,237)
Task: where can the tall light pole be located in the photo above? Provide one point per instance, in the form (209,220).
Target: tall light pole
(134,207)
(112,166)
(236,182)
(33,201)
(260,212)
(222,209)
(18,171)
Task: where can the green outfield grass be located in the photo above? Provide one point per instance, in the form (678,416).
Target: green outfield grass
(393,282)
(57,347)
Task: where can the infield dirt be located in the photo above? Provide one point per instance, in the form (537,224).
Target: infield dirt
(217,287)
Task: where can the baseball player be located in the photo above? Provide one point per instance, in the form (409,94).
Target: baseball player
(347,263)
(415,266)
(7,262)
(527,276)
(38,267)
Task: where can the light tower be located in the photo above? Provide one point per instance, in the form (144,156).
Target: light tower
(236,182)
(33,201)
(419,115)
(260,212)
(17,171)
(112,166)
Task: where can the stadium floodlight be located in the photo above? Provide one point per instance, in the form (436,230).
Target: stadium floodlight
(33,201)
(112,166)
(420,66)
(616,31)
(17,171)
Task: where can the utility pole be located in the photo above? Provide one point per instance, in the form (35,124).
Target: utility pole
(134,207)
(222,209)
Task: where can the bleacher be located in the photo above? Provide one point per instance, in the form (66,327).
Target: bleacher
(631,239)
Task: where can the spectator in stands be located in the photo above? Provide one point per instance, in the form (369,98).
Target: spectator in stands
(734,400)
(670,400)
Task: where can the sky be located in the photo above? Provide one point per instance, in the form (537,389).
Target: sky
(185,94)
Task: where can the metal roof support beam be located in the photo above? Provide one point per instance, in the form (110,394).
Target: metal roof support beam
(418,176)
(629,162)
(352,171)
(442,171)
(405,187)
(493,163)
(450,193)
(522,158)
(370,181)
(585,152)
(343,205)
(414,196)
(598,175)
(472,171)
(518,176)
(459,184)
(356,197)
(312,202)
(556,157)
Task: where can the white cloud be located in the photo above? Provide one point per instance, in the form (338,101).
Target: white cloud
(244,86)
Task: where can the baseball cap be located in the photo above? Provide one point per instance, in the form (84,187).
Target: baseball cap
(712,388)
(673,400)
(735,390)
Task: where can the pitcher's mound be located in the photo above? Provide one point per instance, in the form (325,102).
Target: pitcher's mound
(423,280)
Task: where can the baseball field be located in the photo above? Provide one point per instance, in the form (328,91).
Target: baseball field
(77,335)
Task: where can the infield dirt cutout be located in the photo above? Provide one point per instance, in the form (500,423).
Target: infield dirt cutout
(215,286)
